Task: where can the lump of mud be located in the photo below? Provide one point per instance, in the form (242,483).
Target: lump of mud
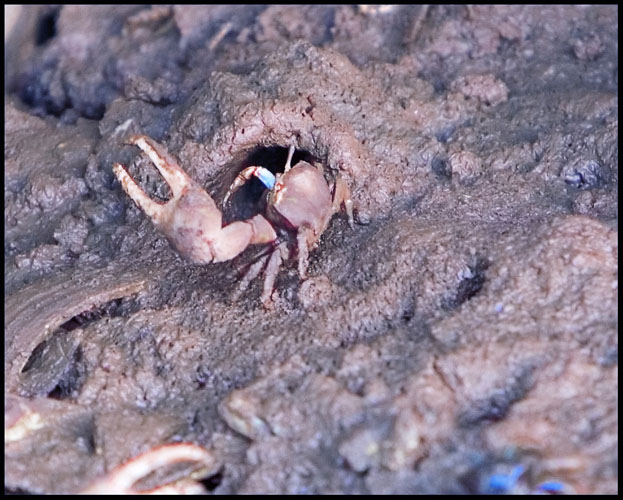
(464,331)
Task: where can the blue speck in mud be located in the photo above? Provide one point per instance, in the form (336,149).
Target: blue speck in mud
(502,483)
(550,487)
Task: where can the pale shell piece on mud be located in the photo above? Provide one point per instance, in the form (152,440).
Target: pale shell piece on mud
(240,410)
(122,480)
(485,88)
(465,165)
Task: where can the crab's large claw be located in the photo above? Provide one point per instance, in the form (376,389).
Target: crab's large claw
(341,197)
(191,220)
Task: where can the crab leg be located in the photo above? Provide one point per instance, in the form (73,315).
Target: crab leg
(272,269)
(302,238)
(191,220)
(252,272)
(341,195)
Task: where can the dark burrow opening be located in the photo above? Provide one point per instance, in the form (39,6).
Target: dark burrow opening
(470,284)
(248,200)
(46,26)
(214,481)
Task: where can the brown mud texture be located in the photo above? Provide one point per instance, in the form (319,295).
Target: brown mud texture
(462,338)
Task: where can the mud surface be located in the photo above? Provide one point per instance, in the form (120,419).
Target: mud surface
(466,326)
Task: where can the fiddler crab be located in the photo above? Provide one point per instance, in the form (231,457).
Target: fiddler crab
(299,204)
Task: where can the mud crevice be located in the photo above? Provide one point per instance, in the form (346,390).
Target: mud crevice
(122,306)
(36,313)
(472,279)
(56,366)
(214,481)
(499,402)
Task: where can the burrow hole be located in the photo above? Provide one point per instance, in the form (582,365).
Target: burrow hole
(46,26)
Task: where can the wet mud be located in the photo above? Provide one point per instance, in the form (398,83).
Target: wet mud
(462,338)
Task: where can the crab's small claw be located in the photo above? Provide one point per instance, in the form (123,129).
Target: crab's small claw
(263,174)
(279,255)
